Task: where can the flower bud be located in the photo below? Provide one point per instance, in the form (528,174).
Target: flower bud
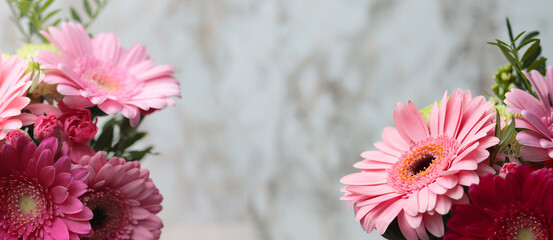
(13,135)
(46,126)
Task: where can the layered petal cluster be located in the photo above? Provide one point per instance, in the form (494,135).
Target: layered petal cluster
(419,169)
(122,197)
(77,129)
(537,116)
(97,71)
(14,83)
(517,206)
(39,195)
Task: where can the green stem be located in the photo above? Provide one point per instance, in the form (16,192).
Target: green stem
(17,21)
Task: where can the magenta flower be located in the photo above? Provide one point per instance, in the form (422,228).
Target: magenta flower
(97,71)
(39,195)
(537,116)
(46,126)
(77,129)
(122,197)
(14,84)
(13,135)
(517,206)
(419,169)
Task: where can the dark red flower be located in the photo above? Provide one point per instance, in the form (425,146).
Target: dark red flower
(513,207)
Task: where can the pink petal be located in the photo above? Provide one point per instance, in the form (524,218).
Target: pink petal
(455,193)
(78,227)
(409,232)
(434,224)
(387,216)
(443,205)
(434,120)
(71,205)
(448,181)
(409,122)
(58,194)
(454,112)
(58,230)
(46,176)
(363,178)
(422,199)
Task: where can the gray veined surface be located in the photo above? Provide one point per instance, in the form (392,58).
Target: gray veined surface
(281,97)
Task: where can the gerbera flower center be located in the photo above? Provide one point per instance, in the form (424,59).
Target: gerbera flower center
(420,165)
(522,224)
(104,80)
(110,214)
(22,202)
(102,77)
(27,204)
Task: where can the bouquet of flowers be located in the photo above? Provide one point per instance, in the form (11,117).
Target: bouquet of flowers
(466,167)
(63,175)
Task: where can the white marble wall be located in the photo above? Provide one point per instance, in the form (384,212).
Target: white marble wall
(281,97)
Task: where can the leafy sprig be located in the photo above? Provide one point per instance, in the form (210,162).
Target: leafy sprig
(519,60)
(117,137)
(92,11)
(33,16)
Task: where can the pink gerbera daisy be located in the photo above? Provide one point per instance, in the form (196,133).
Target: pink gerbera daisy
(537,116)
(420,167)
(517,206)
(14,84)
(97,71)
(122,197)
(39,196)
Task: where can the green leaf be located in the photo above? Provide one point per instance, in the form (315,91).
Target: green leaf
(509,29)
(526,43)
(507,53)
(531,51)
(530,35)
(112,122)
(87,8)
(497,124)
(35,75)
(56,22)
(509,133)
(132,139)
(46,5)
(24,6)
(536,64)
(531,58)
(502,43)
(138,155)
(516,38)
(50,15)
(105,139)
(75,15)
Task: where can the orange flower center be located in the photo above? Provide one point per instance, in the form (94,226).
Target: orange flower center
(105,81)
(422,163)
(419,162)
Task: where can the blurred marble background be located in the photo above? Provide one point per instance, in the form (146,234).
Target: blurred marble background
(281,97)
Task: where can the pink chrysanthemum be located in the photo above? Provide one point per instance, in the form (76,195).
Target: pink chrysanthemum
(537,116)
(99,72)
(14,84)
(517,206)
(420,168)
(122,197)
(39,196)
